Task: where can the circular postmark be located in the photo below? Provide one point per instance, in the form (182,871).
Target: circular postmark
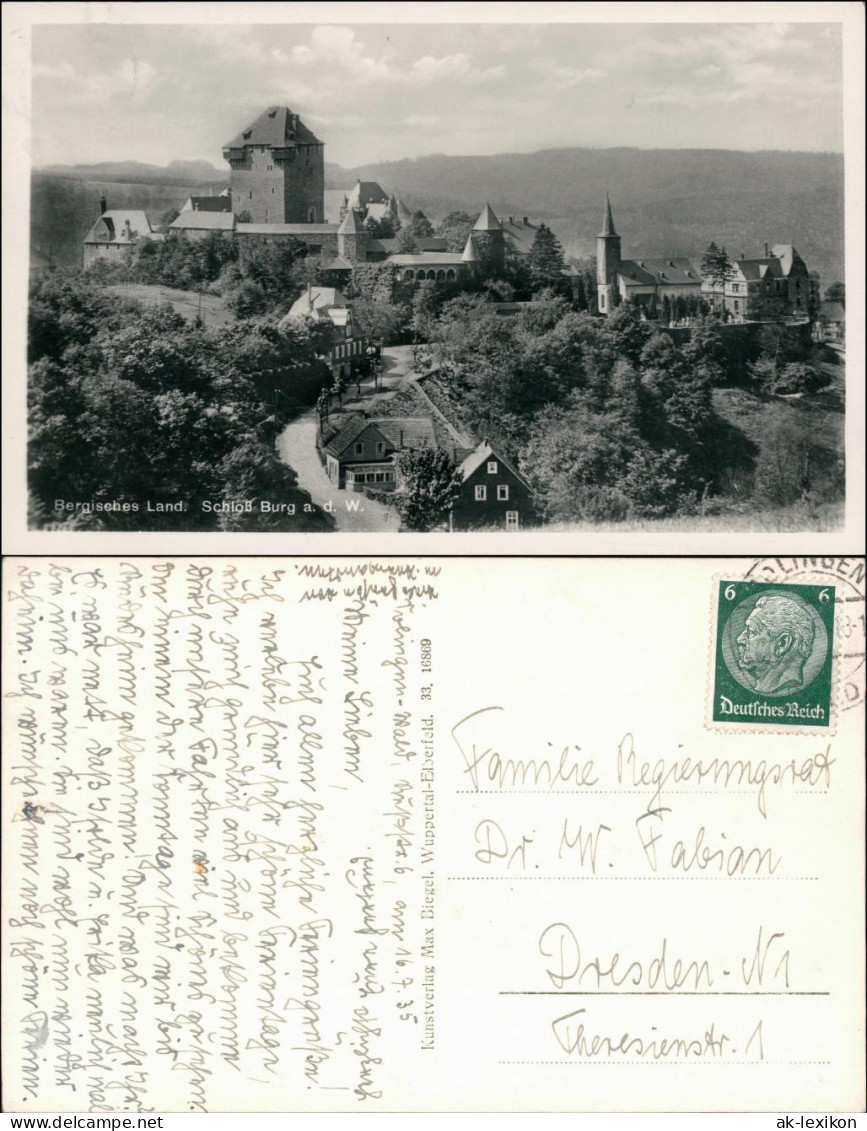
(847,575)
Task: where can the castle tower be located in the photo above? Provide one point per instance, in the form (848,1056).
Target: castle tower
(607,261)
(278,170)
(490,242)
(352,238)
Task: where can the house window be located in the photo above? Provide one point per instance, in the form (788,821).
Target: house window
(380,449)
(511,520)
(380,477)
(602,302)
(250,194)
(409,275)
(502,493)
(492,467)
(359,449)
(272,192)
(481,494)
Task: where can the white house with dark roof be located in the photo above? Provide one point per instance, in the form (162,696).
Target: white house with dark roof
(329,307)
(361,452)
(115,231)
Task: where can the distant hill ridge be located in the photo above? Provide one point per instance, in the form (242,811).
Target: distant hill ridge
(664,200)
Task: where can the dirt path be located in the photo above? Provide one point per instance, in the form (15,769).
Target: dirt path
(296,445)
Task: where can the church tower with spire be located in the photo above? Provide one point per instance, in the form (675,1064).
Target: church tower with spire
(607,261)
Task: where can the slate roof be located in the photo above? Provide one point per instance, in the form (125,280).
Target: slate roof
(351,224)
(407,431)
(338,263)
(481,455)
(470,253)
(110,227)
(286,229)
(204,221)
(366,192)
(608,220)
(674,271)
(317,298)
(341,439)
(487,221)
(208,204)
(426,243)
(276,126)
(428,259)
(522,235)
(753,269)
(378,210)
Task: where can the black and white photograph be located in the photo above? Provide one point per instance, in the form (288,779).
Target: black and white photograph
(537,278)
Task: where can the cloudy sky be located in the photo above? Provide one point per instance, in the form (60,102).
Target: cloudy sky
(381,92)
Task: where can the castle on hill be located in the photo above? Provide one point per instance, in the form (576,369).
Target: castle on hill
(277,191)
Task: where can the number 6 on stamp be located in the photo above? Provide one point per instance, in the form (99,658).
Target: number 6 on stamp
(773,654)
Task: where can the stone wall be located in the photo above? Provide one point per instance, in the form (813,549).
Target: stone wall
(280,192)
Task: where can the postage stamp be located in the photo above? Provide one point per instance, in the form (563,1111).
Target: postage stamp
(773,654)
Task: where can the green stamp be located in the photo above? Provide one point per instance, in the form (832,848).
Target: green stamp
(773,654)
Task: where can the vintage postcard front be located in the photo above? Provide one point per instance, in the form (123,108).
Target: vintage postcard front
(431,835)
(459,278)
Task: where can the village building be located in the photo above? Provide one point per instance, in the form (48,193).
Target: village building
(115,231)
(494,494)
(221,202)
(769,288)
(361,453)
(772,287)
(277,192)
(830,326)
(327,306)
(196,225)
(442,266)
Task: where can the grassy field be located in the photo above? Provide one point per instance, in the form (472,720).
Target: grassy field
(797,518)
(186,303)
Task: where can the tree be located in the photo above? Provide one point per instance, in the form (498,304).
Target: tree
(716,267)
(836,293)
(168,218)
(381,229)
(579,293)
(339,386)
(546,259)
(455,228)
(666,310)
(323,403)
(421,227)
(378,321)
(244,217)
(799,377)
(407,244)
(429,487)
(814,296)
(426,303)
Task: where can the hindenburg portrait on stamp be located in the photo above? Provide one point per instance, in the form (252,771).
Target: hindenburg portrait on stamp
(776,642)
